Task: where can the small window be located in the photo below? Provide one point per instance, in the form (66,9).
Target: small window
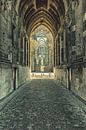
(73,38)
(84,26)
(84,6)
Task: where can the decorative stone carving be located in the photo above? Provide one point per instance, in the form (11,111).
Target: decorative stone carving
(1,5)
(68,19)
(5,5)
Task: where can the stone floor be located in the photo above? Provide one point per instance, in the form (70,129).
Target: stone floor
(43,105)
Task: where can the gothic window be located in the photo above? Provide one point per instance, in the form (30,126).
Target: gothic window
(84,6)
(79,38)
(84,40)
(62,37)
(73,38)
(84,26)
(62,54)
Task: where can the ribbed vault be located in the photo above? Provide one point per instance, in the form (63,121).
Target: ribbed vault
(46,12)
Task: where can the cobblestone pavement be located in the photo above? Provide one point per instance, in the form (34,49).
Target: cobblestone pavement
(43,105)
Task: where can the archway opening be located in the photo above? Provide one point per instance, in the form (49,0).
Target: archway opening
(41,50)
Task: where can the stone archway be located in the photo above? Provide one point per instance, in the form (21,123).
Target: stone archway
(41,50)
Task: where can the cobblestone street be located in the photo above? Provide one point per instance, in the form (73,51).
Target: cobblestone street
(43,105)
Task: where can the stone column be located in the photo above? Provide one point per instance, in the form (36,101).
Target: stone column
(65,59)
(60,51)
(55,53)
(19,50)
(23,49)
(56,50)
(26,52)
(69,78)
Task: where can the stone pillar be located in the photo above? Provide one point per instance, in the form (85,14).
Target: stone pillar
(69,78)
(23,49)
(19,50)
(60,50)
(26,52)
(65,58)
(55,53)
(56,50)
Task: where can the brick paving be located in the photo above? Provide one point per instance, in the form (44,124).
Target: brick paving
(43,105)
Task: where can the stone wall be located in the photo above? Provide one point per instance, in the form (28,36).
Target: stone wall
(77,79)
(12,72)
(6,74)
(5,37)
(78,82)
(22,75)
(78,76)
(79,29)
(6,81)
(61,75)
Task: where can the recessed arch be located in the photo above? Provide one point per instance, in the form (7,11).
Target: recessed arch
(41,49)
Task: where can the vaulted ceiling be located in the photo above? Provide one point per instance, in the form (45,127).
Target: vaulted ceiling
(42,12)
